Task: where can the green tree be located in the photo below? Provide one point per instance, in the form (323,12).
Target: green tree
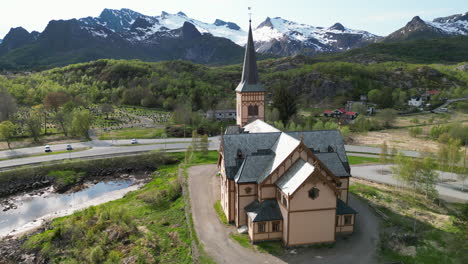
(63,119)
(318,125)
(195,141)
(33,124)
(361,124)
(285,101)
(81,122)
(454,154)
(107,109)
(415,131)
(428,177)
(384,153)
(204,144)
(7,132)
(345,132)
(387,116)
(7,105)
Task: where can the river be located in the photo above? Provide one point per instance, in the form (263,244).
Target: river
(33,209)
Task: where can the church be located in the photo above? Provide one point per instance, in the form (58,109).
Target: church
(287,186)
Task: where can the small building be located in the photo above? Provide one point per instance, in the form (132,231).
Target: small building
(416,101)
(340,113)
(222,115)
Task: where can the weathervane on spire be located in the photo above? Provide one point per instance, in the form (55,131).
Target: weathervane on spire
(250,14)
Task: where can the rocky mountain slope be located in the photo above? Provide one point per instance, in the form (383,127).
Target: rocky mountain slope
(283,37)
(126,34)
(437,28)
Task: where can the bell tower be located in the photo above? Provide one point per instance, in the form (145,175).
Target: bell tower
(250,93)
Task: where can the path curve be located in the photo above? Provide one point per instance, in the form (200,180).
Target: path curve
(204,191)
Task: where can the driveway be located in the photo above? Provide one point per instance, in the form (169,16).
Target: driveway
(449,189)
(204,191)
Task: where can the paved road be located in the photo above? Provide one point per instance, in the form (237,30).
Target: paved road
(204,191)
(94,143)
(106,147)
(376,150)
(448,190)
(171,145)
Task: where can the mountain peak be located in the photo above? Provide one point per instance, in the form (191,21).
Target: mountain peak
(266,23)
(337,26)
(189,31)
(416,20)
(164,14)
(231,25)
(180,13)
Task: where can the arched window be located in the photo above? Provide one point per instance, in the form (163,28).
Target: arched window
(253,110)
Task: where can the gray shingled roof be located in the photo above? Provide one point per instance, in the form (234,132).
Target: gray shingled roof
(253,166)
(333,163)
(247,144)
(320,140)
(267,210)
(342,208)
(230,130)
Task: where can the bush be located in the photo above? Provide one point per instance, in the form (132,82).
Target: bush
(415,131)
(64,179)
(96,255)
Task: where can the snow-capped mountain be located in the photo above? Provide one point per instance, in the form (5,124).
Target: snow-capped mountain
(277,36)
(142,27)
(284,37)
(439,27)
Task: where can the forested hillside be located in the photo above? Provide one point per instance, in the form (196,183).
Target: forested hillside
(167,84)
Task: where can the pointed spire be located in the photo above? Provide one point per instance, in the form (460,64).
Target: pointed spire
(250,81)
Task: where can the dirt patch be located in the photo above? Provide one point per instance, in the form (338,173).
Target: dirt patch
(395,138)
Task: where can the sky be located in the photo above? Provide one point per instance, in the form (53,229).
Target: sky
(380,17)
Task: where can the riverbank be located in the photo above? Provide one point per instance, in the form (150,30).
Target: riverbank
(148,225)
(31,178)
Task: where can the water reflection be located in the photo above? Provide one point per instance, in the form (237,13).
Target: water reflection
(31,208)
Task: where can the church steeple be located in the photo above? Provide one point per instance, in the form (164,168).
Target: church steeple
(250,81)
(250,93)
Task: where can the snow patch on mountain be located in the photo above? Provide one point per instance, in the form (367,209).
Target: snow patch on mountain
(278,28)
(452,25)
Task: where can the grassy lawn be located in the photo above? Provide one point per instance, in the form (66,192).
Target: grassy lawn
(355,160)
(146,226)
(440,231)
(219,211)
(270,247)
(129,133)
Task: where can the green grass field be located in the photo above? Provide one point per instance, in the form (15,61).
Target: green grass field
(441,231)
(356,160)
(129,133)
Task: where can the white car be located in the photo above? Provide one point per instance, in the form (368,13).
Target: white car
(134,141)
(47,148)
(69,147)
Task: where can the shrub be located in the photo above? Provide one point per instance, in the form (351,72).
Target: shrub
(96,255)
(415,131)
